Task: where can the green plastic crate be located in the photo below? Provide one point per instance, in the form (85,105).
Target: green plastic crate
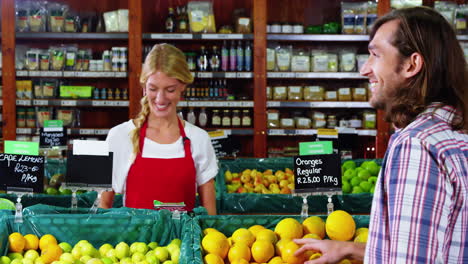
(280,203)
(106,226)
(227,224)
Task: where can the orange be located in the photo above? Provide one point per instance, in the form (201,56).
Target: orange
(288,254)
(314,225)
(47,240)
(262,251)
(17,242)
(289,228)
(340,226)
(216,243)
(255,229)
(51,253)
(213,259)
(32,242)
(239,251)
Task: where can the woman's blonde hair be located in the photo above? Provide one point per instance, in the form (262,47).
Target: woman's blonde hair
(169,60)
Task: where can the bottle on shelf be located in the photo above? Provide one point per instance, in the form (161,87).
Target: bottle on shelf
(240,56)
(215,118)
(182,22)
(202,61)
(224,57)
(215,60)
(170,21)
(236,118)
(232,56)
(248,57)
(202,118)
(191,118)
(226,121)
(246,118)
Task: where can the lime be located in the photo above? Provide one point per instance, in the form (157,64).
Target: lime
(51,191)
(356,181)
(365,186)
(364,174)
(357,189)
(372,167)
(372,180)
(6,204)
(349,164)
(349,174)
(346,187)
(372,189)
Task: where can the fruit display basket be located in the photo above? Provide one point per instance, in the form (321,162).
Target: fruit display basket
(228,224)
(272,203)
(105,226)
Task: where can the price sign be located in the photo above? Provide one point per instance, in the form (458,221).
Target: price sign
(22,171)
(97,103)
(39,102)
(317,173)
(34,73)
(205,75)
(68,103)
(71,74)
(50,137)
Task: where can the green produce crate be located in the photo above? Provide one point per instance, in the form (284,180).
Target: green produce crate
(280,203)
(227,224)
(106,226)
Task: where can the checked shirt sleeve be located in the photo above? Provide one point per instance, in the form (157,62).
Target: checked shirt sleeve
(415,190)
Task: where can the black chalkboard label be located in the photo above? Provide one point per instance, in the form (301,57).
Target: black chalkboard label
(52,137)
(89,170)
(317,173)
(22,171)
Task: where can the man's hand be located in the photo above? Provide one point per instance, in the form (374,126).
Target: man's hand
(332,251)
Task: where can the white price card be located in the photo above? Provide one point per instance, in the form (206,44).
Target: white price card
(101,131)
(68,103)
(97,103)
(23,131)
(34,73)
(110,103)
(107,74)
(23,102)
(38,102)
(276,132)
(86,132)
(171,36)
(120,74)
(90,147)
(72,74)
(244,75)
(305,75)
(21,73)
(222,36)
(273,104)
(122,103)
(205,75)
(230,75)
(246,104)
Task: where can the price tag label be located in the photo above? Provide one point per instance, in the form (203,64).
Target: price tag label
(273,104)
(182,104)
(120,74)
(86,131)
(315,148)
(22,171)
(21,73)
(276,132)
(38,102)
(304,74)
(171,36)
(230,75)
(246,104)
(110,103)
(122,103)
(68,103)
(23,102)
(34,73)
(72,74)
(23,131)
(101,131)
(205,75)
(317,173)
(244,75)
(222,36)
(106,74)
(97,103)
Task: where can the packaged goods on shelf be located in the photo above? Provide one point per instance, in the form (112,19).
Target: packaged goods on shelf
(397,4)
(354,17)
(295,93)
(331,96)
(344,94)
(347,61)
(314,93)
(300,61)
(359,94)
(280,93)
(461,19)
(201,17)
(116,21)
(24,89)
(273,119)
(283,58)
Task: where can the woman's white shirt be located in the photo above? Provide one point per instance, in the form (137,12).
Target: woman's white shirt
(120,144)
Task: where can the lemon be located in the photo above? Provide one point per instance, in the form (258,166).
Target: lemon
(314,225)
(51,253)
(361,238)
(239,251)
(315,256)
(6,204)
(340,226)
(240,261)
(314,236)
(47,240)
(288,254)
(216,243)
(361,230)
(213,259)
(262,251)
(280,245)
(16,242)
(345,261)
(208,230)
(243,235)
(276,260)
(268,235)
(255,229)
(289,228)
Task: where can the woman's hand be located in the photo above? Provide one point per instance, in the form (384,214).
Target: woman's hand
(332,251)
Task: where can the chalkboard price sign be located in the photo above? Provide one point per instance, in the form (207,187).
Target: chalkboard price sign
(51,137)
(317,173)
(22,171)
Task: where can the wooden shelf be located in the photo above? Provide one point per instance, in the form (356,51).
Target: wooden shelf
(309,132)
(303,104)
(234,131)
(73,36)
(318,37)
(190,36)
(71,74)
(462,37)
(239,104)
(70,131)
(316,75)
(72,102)
(227,75)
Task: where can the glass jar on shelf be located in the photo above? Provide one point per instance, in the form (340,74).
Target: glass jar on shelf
(246,118)
(216,118)
(226,121)
(331,121)
(236,118)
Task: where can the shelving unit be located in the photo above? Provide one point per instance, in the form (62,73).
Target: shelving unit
(146,19)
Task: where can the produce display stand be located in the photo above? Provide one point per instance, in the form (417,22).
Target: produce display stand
(253,203)
(106,226)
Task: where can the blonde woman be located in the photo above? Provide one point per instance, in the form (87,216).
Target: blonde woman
(158,156)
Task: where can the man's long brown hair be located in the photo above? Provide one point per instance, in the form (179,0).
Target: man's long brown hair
(443,77)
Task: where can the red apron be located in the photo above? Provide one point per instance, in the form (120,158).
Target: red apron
(165,180)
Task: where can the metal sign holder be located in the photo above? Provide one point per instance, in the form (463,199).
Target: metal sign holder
(19,192)
(77,186)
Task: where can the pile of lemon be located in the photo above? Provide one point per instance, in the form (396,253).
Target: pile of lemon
(30,249)
(258,244)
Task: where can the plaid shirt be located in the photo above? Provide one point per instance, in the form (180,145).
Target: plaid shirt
(420,206)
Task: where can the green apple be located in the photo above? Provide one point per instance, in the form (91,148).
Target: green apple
(357,189)
(346,187)
(133,247)
(349,164)
(153,245)
(372,189)
(122,250)
(152,259)
(161,253)
(13,256)
(372,180)
(5,260)
(349,174)
(87,250)
(364,174)
(110,254)
(105,248)
(137,257)
(355,181)
(68,257)
(365,186)
(172,247)
(67,248)
(77,261)
(31,254)
(81,242)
